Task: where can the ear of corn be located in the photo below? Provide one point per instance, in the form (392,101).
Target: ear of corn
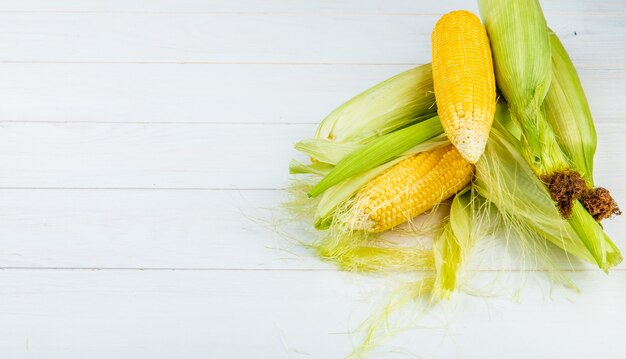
(372,179)
(464,81)
(519,40)
(520,44)
(379,151)
(522,55)
(402,100)
(346,189)
(504,178)
(567,110)
(408,189)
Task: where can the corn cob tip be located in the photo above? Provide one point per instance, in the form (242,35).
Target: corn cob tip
(464,81)
(470,143)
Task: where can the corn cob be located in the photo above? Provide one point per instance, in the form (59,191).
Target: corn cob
(408,189)
(464,81)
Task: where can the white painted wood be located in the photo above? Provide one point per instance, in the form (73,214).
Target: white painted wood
(153,135)
(147,156)
(147,229)
(237,314)
(299,6)
(176,229)
(264,38)
(116,155)
(218,93)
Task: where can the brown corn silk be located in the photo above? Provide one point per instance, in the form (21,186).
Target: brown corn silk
(520,44)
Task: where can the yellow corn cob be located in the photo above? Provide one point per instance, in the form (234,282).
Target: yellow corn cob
(408,189)
(464,82)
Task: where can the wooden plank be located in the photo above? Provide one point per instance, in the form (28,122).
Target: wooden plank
(103,155)
(191,229)
(264,38)
(333,6)
(217,93)
(165,314)
(150,156)
(146,229)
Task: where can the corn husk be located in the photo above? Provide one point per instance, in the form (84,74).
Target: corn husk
(344,190)
(522,54)
(505,179)
(397,102)
(567,110)
(453,243)
(379,151)
(520,44)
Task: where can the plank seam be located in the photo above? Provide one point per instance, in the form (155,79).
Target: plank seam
(617,66)
(203,269)
(285,13)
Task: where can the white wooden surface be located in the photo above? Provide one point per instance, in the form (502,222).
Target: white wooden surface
(139,140)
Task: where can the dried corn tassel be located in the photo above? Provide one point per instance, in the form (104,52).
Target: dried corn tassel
(567,110)
(520,44)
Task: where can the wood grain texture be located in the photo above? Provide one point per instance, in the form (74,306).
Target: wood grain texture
(144,143)
(203,93)
(235,314)
(218,156)
(265,38)
(181,229)
(332,6)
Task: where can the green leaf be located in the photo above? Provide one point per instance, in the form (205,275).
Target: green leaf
(378,152)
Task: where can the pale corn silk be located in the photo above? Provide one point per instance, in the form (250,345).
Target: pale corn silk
(522,54)
(506,202)
(524,209)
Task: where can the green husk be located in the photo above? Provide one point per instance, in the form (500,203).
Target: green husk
(520,44)
(326,151)
(453,244)
(549,129)
(504,178)
(567,110)
(318,168)
(397,102)
(379,151)
(344,190)
(594,238)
